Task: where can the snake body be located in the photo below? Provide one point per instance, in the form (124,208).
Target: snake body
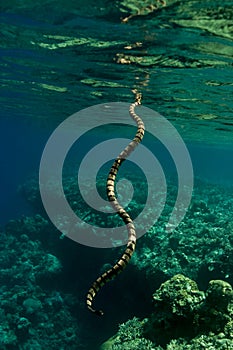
(126,256)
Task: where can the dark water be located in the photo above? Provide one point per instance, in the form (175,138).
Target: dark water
(58,57)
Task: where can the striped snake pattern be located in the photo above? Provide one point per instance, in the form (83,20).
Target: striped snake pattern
(126,256)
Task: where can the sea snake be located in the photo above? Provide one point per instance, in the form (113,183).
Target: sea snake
(126,256)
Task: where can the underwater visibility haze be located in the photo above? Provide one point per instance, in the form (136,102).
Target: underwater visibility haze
(63,57)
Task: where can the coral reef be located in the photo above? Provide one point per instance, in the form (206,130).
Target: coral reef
(33,309)
(200,248)
(182,310)
(183,318)
(129,336)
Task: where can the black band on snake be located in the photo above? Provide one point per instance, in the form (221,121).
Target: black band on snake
(126,256)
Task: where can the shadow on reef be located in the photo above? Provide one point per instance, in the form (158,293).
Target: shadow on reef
(183,318)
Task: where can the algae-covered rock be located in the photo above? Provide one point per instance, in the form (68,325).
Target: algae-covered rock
(184,318)
(180,295)
(217,311)
(183,311)
(176,304)
(219,294)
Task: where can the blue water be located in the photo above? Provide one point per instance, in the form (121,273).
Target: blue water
(57,58)
(22,145)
